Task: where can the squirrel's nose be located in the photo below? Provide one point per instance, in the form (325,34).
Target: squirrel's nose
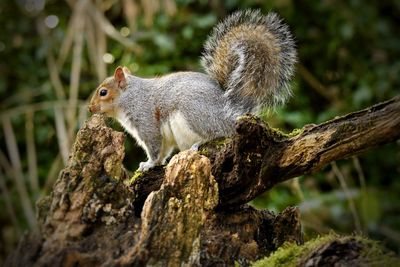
(92,108)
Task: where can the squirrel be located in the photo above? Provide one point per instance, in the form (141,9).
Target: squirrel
(249,60)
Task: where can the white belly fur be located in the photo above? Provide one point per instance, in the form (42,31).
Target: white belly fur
(183,136)
(175,132)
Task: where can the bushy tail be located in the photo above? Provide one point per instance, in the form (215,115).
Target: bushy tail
(252,56)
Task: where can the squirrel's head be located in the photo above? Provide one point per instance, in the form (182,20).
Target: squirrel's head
(103,99)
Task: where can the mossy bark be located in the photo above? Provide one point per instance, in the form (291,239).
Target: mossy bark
(193,212)
(257,157)
(95,218)
(332,250)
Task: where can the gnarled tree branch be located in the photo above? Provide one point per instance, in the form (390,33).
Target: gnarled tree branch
(257,157)
(192,214)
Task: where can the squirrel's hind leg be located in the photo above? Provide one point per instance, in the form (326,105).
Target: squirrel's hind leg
(165,154)
(168,143)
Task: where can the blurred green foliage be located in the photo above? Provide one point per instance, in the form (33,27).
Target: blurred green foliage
(348,59)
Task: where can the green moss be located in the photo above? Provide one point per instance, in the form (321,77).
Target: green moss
(295,132)
(212,145)
(204,152)
(286,255)
(376,255)
(136,175)
(278,133)
(219,142)
(249,118)
(372,253)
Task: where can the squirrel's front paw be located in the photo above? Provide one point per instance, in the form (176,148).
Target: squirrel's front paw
(145,166)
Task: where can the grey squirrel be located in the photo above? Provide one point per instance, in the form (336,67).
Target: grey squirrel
(249,60)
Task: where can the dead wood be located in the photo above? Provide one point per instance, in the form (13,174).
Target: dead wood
(192,213)
(258,157)
(93,218)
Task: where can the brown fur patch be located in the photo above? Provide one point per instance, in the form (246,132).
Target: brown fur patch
(157,114)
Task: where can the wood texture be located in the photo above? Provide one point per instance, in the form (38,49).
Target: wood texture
(258,157)
(193,212)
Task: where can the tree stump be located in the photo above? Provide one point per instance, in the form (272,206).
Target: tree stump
(92,219)
(193,212)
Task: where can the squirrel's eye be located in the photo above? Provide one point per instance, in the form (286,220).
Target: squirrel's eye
(103,92)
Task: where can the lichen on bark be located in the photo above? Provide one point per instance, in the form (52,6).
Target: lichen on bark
(193,213)
(94,216)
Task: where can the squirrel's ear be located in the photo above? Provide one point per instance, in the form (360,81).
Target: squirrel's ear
(126,70)
(119,77)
